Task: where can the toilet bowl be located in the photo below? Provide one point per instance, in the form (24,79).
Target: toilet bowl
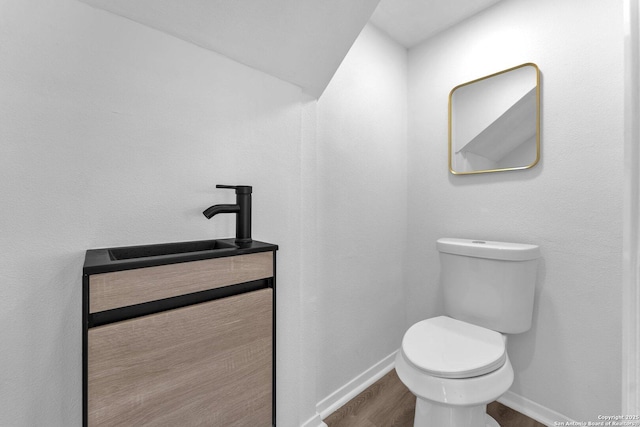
(454,369)
(457,363)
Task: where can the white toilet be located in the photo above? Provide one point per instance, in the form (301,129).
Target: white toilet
(456,364)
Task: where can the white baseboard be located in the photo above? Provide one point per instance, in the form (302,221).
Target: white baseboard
(315,421)
(533,410)
(344,394)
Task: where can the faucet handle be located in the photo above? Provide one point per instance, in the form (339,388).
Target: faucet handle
(240,189)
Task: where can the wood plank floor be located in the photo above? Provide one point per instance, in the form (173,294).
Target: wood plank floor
(507,417)
(388,403)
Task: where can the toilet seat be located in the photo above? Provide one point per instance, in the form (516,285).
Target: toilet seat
(448,348)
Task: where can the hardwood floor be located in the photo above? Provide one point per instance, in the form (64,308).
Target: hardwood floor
(507,417)
(388,403)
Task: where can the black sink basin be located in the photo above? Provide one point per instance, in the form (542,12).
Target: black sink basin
(146,251)
(107,260)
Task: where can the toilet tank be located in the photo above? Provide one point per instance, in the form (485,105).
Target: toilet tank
(490,284)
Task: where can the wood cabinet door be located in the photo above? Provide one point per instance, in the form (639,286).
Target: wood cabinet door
(209,364)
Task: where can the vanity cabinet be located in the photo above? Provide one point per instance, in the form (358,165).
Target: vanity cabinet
(189,343)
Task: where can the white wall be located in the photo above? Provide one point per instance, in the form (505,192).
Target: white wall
(570,204)
(361,205)
(116,134)
(631,217)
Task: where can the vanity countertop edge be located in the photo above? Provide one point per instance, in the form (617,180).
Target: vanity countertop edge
(99,260)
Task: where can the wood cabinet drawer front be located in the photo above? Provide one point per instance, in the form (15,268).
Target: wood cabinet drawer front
(208,364)
(130,287)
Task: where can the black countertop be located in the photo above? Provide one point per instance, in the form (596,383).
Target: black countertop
(103,260)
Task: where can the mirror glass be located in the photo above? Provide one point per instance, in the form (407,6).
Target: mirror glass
(494,122)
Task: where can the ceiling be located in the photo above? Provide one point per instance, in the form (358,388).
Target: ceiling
(299,41)
(410,22)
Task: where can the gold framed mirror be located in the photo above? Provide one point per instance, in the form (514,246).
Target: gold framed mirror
(494,122)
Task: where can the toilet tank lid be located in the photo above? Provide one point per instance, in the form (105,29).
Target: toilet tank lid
(488,249)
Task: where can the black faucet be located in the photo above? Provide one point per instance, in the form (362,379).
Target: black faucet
(242,209)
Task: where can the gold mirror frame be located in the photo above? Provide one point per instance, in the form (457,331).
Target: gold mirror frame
(537,122)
